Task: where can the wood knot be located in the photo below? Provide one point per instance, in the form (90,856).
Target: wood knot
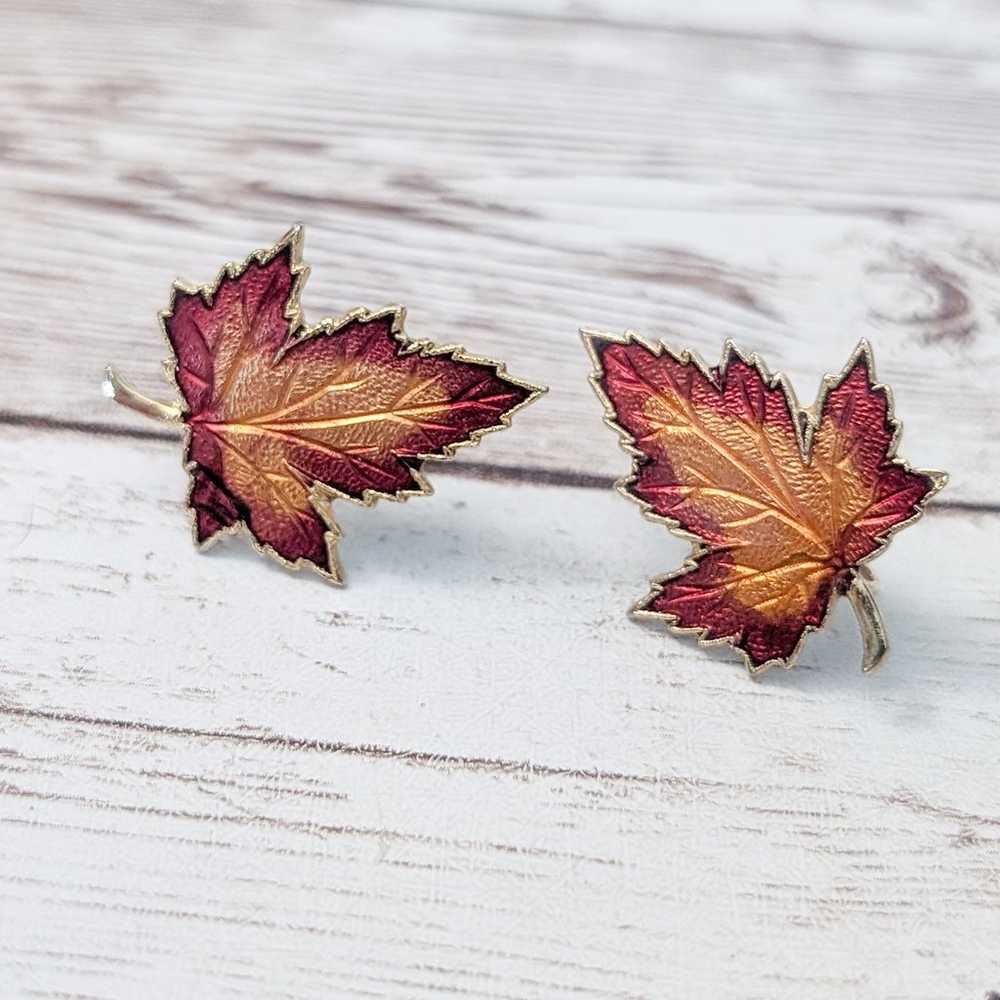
(921,296)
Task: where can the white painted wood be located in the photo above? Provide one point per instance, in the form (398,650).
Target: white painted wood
(962,27)
(154,864)
(510,179)
(467,772)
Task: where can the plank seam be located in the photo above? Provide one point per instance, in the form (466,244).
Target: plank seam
(472,470)
(373,751)
(799,38)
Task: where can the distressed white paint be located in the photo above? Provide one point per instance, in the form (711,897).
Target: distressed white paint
(468,773)
(965,27)
(509,180)
(468,770)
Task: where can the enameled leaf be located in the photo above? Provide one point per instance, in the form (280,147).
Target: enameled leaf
(783,504)
(282,418)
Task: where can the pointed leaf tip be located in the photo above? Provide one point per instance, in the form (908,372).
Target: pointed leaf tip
(720,457)
(348,407)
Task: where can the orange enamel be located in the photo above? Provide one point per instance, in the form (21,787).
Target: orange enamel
(780,519)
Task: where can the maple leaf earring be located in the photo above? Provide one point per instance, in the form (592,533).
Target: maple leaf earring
(282,418)
(784,504)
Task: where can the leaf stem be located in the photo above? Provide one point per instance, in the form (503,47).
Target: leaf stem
(870,620)
(116,388)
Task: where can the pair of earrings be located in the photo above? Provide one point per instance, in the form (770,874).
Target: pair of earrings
(783,505)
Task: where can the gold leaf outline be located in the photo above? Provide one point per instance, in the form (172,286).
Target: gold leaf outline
(321,495)
(805,419)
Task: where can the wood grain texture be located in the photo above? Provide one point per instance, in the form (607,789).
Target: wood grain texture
(509,180)
(966,27)
(212,781)
(231,868)
(469,773)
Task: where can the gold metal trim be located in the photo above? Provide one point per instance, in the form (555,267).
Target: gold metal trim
(806,420)
(321,495)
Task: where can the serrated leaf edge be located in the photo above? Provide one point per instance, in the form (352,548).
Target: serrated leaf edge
(321,495)
(806,420)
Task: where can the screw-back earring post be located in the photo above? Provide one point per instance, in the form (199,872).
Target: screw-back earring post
(122,391)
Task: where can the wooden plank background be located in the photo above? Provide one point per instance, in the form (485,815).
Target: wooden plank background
(468,773)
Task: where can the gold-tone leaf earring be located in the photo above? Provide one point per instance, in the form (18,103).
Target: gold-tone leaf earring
(784,505)
(281,418)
